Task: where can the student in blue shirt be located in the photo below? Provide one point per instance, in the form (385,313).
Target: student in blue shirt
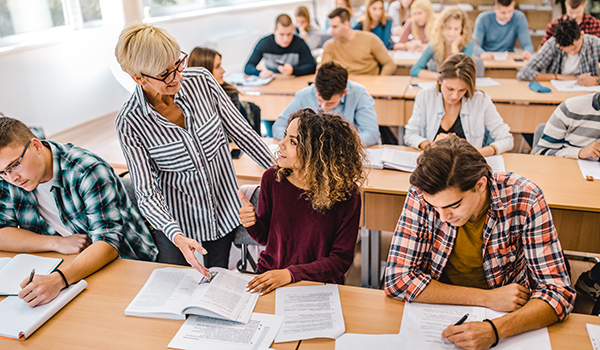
(451,35)
(498,30)
(333,93)
(377,21)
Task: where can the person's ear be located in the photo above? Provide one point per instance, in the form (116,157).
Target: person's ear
(481,184)
(37,145)
(344,93)
(139,80)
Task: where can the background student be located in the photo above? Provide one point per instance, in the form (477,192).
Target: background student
(498,30)
(174,132)
(575,10)
(346,5)
(307,30)
(399,11)
(417,28)
(573,130)
(568,55)
(281,53)
(376,21)
(451,34)
(309,204)
(454,107)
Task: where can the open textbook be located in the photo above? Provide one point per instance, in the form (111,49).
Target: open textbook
(19,321)
(14,270)
(173,293)
(422,326)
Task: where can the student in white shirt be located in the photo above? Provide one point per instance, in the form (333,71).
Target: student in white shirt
(454,107)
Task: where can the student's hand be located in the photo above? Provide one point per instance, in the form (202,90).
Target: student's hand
(187,247)
(507,298)
(42,289)
(401,46)
(590,151)
(471,335)
(587,80)
(525,55)
(264,74)
(247,213)
(487,56)
(397,31)
(269,280)
(73,244)
(456,44)
(285,69)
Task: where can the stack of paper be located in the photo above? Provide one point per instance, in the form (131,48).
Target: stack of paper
(589,168)
(391,158)
(252,80)
(572,86)
(406,55)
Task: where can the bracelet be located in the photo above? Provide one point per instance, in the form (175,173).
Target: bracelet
(495,331)
(63,277)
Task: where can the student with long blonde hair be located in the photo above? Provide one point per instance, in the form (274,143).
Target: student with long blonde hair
(400,13)
(419,25)
(309,204)
(451,34)
(376,21)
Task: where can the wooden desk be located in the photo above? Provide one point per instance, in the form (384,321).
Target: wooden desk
(368,311)
(520,107)
(95,319)
(494,69)
(388,92)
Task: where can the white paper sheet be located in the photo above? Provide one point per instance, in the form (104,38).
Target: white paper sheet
(252,80)
(422,326)
(199,332)
(594,334)
(19,268)
(310,312)
(399,160)
(589,168)
(479,82)
(496,163)
(406,55)
(572,86)
(500,56)
(349,341)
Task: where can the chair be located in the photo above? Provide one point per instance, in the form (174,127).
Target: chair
(537,135)
(242,239)
(252,113)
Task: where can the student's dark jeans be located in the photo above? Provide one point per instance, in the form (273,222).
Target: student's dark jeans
(218,251)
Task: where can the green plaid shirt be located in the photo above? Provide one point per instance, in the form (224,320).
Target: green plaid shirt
(91,200)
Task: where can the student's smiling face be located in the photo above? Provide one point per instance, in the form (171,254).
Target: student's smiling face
(287,156)
(456,207)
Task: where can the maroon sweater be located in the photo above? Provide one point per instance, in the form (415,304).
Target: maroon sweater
(312,246)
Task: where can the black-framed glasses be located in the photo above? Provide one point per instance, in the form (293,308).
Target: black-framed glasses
(170,76)
(16,166)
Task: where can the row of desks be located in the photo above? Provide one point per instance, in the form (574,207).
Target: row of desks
(95,319)
(520,107)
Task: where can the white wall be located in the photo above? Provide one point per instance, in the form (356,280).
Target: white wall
(69,82)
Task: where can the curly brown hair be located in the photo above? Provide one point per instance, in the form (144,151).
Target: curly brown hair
(331,158)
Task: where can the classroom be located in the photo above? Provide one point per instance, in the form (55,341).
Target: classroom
(372,168)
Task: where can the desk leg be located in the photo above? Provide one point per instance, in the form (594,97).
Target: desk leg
(375,261)
(364,257)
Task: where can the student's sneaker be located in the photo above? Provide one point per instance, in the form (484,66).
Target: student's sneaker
(587,286)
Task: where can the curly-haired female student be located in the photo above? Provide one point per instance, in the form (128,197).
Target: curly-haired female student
(309,203)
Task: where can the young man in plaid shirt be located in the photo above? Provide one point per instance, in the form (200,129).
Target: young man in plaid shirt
(470,237)
(59,197)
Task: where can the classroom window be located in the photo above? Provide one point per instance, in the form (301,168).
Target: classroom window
(157,8)
(22,18)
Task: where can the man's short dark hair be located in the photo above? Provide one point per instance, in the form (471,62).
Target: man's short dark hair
(340,12)
(14,131)
(566,32)
(283,20)
(575,3)
(450,163)
(504,3)
(331,80)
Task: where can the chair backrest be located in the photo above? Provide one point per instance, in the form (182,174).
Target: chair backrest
(241,235)
(539,130)
(130,189)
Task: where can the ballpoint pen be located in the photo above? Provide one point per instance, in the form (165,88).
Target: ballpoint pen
(462,320)
(31,276)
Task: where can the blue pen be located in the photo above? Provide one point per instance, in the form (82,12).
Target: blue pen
(462,320)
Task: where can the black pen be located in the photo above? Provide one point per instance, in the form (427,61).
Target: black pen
(31,276)
(462,320)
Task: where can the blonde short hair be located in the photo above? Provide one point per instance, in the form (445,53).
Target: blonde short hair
(145,49)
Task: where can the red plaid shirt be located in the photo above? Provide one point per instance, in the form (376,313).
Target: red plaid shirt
(590,25)
(520,245)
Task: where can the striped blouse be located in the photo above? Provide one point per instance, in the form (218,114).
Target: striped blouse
(184,179)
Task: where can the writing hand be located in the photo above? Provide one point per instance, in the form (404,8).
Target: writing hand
(590,151)
(264,74)
(470,335)
(526,55)
(587,80)
(187,247)
(269,280)
(285,69)
(507,298)
(42,289)
(73,244)
(247,213)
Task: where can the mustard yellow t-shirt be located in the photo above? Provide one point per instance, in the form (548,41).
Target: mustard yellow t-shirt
(465,264)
